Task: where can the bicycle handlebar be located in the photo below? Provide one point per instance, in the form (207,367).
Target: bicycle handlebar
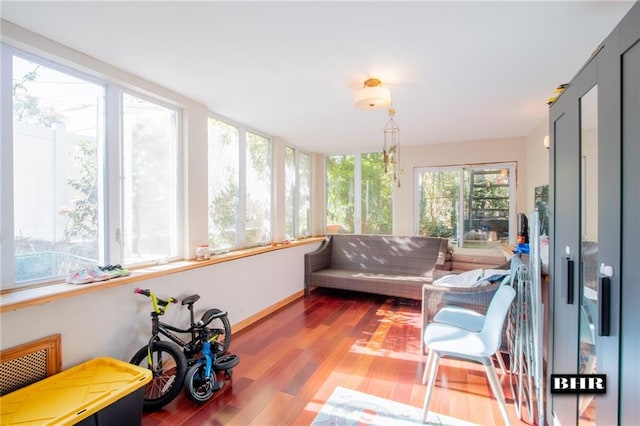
(159,305)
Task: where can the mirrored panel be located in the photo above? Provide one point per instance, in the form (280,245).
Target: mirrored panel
(589,247)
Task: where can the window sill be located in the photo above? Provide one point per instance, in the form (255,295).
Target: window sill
(13,300)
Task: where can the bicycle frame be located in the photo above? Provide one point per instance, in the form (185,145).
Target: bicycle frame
(208,356)
(196,330)
(191,347)
(180,356)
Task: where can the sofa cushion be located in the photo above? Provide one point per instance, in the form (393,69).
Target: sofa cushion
(491,256)
(408,286)
(385,254)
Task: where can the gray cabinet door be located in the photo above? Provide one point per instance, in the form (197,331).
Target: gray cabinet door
(564,232)
(595,193)
(630,275)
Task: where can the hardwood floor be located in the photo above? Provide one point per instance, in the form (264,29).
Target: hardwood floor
(291,362)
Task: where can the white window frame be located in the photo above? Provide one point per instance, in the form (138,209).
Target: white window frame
(110,164)
(241,223)
(357,191)
(119,228)
(297,153)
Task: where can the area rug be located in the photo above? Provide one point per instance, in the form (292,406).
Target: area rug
(348,407)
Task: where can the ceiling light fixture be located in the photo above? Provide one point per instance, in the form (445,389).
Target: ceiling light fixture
(372,95)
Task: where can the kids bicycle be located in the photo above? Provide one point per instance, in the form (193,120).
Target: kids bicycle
(200,381)
(169,360)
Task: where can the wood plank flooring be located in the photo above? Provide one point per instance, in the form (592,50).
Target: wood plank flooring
(291,362)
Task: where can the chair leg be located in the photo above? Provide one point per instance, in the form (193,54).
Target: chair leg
(427,367)
(432,380)
(501,363)
(497,390)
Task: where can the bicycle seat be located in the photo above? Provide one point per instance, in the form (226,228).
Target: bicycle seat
(190,300)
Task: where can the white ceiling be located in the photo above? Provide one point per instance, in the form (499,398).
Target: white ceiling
(457,70)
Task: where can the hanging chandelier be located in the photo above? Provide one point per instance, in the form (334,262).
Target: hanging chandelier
(373,96)
(391,148)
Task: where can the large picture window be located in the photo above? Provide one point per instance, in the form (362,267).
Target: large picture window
(359,195)
(471,205)
(150,194)
(224,177)
(239,187)
(340,194)
(73,200)
(304,195)
(257,212)
(297,193)
(58,137)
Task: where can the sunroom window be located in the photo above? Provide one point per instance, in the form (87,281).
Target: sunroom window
(58,140)
(150,176)
(94,173)
(239,187)
(297,193)
(359,195)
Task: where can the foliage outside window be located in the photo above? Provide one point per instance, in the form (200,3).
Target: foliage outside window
(359,195)
(297,193)
(290,178)
(150,193)
(57,209)
(377,195)
(471,205)
(258,190)
(438,201)
(340,195)
(224,158)
(239,187)
(304,194)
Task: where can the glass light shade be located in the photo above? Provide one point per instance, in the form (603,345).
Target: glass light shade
(372,97)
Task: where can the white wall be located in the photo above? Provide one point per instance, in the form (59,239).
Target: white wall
(115,322)
(537,164)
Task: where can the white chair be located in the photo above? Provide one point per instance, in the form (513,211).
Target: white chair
(476,346)
(470,319)
(467,319)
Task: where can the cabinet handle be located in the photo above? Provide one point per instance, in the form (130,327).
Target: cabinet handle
(604,307)
(568,274)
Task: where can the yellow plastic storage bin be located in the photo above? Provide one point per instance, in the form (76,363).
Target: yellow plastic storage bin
(103,391)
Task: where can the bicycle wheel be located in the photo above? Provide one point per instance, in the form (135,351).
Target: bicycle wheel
(196,385)
(169,367)
(222,328)
(226,362)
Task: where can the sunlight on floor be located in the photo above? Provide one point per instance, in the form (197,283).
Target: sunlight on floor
(381,343)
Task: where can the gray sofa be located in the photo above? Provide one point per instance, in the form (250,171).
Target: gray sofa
(382,264)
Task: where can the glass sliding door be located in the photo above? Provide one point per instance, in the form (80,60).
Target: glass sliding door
(471,205)
(438,203)
(487,207)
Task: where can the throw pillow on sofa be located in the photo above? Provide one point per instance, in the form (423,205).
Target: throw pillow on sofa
(471,278)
